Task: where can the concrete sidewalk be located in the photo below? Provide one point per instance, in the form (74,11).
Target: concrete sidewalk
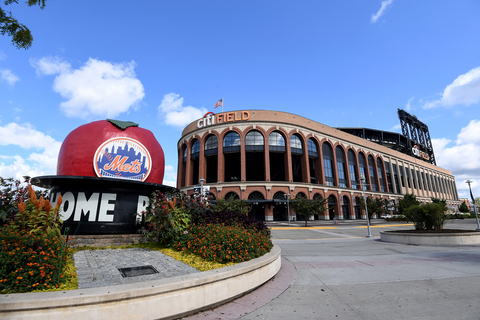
(340,274)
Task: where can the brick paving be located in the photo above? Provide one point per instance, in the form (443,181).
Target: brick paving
(99,268)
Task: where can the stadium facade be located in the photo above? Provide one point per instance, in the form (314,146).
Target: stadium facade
(266,157)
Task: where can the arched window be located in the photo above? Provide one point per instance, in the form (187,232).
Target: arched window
(231,142)
(195,149)
(232,195)
(211,145)
(312,148)
(363,169)
(254,157)
(341,166)
(373,178)
(313,161)
(254,141)
(296,151)
(211,158)
(232,157)
(301,195)
(276,142)
(352,166)
(296,144)
(276,145)
(328,164)
(380,174)
(185,154)
(256,195)
(194,156)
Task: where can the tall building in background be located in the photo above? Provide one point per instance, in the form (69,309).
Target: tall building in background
(266,157)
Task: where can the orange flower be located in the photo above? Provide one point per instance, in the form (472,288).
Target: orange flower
(22,207)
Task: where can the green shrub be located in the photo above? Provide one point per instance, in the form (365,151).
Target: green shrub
(428,216)
(166,217)
(220,243)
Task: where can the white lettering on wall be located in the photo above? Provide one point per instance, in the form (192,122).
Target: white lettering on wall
(142,205)
(88,207)
(106,206)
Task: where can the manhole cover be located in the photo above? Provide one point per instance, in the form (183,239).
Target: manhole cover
(137,271)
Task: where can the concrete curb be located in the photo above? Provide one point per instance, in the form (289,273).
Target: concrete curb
(160,299)
(431,239)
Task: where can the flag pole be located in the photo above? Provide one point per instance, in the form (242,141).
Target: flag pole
(222,104)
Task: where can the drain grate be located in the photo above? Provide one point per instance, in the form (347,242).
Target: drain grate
(137,271)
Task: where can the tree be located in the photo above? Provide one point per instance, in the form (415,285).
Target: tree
(464,208)
(21,35)
(374,206)
(407,201)
(231,205)
(307,208)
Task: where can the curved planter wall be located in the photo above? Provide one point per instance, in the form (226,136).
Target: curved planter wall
(431,239)
(161,299)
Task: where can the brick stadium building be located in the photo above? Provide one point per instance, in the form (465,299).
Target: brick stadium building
(267,156)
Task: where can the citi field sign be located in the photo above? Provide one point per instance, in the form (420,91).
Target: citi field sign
(210,118)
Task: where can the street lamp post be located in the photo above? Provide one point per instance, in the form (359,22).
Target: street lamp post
(201,189)
(287,196)
(362,179)
(474,205)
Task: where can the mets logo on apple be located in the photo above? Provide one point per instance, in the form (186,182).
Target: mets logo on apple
(122,158)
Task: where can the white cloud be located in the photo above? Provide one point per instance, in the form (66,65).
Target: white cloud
(465,90)
(98,88)
(175,113)
(381,11)
(461,157)
(170,176)
(396,128)
(8,76)
(3,56)
(37,163)
(408,106)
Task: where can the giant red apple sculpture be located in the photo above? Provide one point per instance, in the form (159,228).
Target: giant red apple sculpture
(112,149)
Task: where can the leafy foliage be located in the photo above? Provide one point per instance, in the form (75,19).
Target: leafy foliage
(230,218)
(407,201)
(21,35)
(221,243)
(31,262)
(36,216)
(231,205)
(307,208)
(166,217)
(374,206)
(428,216)
(463,208)
(11,193)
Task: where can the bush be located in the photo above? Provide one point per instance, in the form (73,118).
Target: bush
(230,218)
(32,253)
(231,205)
(30,262)
(222,243)
(11,193)
(166,217)
(428,216)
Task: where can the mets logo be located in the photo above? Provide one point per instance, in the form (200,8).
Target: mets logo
(122,158)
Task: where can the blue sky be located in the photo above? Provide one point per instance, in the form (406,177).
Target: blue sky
(165,63)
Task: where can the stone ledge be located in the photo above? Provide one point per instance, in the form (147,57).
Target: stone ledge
(160,299)
(431,239)
(106,240)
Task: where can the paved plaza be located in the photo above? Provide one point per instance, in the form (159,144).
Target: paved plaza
(100,268)
(334,272)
